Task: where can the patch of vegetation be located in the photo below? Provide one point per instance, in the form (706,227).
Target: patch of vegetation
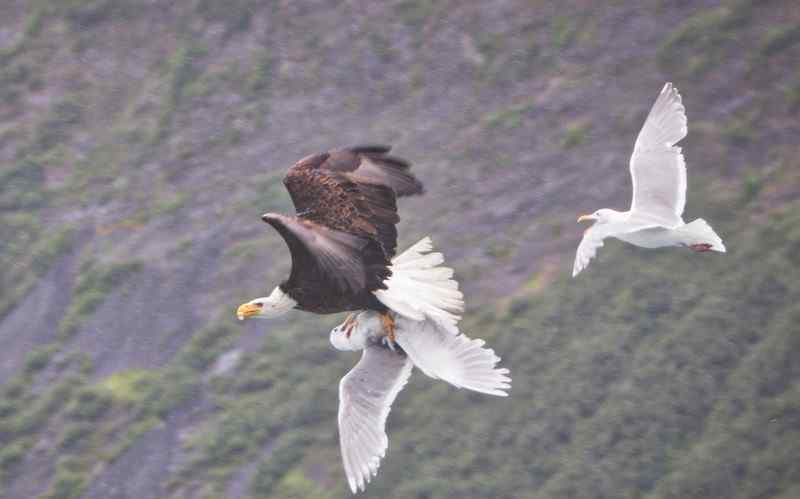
(34,22)
(49,247)
(167,206)
(19,232)
(27,250)
(500,250)
(701,38)
(133,432)
(16,73)
(11,455)
(779,38)
(58,124)
(67,484)
(86,14)
(236,15)
(76,435)
(740,129)
(751,186)
(94,285)
(793,94)
(415,12)
(206,345)
(507,118)
(35,415)
(286,454)
(38,358)
(90,404)
(181,69)
(575,134)
(296,485)
(243,250)
(564,31)
(382,47)
(132,385)
(21,186)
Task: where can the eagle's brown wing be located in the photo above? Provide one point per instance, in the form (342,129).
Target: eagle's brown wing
(372,164)
(354,191)
(325,258)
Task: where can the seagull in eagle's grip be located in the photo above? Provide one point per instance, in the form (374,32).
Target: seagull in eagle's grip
(658,171)
(432,344)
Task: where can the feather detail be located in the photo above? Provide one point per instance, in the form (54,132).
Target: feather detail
(420,288)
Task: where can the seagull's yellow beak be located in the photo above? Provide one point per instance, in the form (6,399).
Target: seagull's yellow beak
(247,310)
(584,218)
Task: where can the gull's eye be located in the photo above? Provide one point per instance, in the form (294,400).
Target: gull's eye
(258,304)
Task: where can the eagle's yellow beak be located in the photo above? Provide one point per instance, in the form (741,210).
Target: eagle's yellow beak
(584,218)
(247,310)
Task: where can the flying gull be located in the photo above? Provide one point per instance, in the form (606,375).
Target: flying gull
(658,171)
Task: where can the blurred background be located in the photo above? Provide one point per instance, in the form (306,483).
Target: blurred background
(141,141)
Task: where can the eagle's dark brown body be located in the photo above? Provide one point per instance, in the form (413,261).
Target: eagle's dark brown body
(343,236)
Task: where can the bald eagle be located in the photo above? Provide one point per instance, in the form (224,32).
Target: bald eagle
(343,237)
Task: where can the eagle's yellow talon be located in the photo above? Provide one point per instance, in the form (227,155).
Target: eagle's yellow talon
(389,328)
(349,324)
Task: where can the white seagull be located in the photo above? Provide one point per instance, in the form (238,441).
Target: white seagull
(658,171)
(366,393)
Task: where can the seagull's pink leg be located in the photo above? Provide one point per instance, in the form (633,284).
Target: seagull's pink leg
(700,248)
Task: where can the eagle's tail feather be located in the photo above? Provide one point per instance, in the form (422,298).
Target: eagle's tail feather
(419,287)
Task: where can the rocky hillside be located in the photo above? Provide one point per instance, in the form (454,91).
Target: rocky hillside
(140,143)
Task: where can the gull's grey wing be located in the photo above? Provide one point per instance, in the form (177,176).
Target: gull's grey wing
(445,354)
(658,169)
(366,394)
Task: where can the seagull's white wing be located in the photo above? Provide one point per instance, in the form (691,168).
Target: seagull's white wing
(366,394)
(587,249)
(443,354)
(593,238)
(658,169)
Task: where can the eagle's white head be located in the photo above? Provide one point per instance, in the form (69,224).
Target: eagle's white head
(266,307)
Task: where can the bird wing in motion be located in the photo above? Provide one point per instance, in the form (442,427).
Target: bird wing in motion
(353,190)
(593,238)
(372,164)
(324,257)
(657,166)
(441,352)
(587,249)
(366,394)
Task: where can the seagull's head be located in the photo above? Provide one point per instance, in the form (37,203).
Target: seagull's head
(363,328)
(266,307)
(601,216)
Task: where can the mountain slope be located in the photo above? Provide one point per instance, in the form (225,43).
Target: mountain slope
(139,146)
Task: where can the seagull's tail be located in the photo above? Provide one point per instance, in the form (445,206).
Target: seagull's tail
(699,232)
(421,288)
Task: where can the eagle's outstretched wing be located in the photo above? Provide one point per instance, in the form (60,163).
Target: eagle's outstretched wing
(353,190)
(325,258)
